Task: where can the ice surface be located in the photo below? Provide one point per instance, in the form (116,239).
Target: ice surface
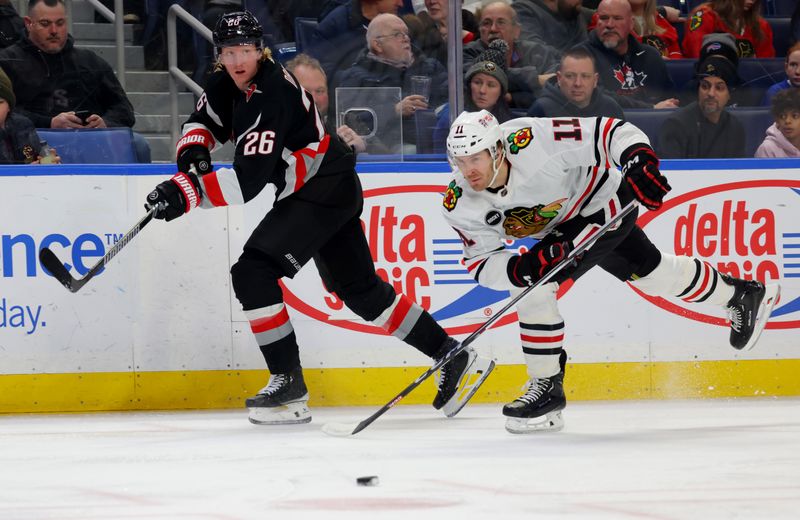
(614,460)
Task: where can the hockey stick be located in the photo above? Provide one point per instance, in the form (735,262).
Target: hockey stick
(51,262)
(348,429)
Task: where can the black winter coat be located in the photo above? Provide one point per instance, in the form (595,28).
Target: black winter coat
(71,80)
(19,142)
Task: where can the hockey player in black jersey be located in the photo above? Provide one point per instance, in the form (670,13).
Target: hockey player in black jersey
(559,180)
(280,139)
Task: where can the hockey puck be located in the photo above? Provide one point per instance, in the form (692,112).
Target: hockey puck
(371,480)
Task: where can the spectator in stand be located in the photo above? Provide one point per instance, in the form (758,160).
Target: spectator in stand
(528,63)
(339,37)
(651,27)
(11,25)
(561,24)
(741,18)
(309,73)
(486,84)
(632,73)
(783,137)
(573,92)
(389,62)
(704,129)
(792,68)
(428,29)
(283,14)
(59,85)
(19,142)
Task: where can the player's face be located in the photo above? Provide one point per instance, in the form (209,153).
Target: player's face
(577,80)
(497,23)
(314,82)
(793,68)
(713,95)
(47,27)
(476,169)
(614,23)
(241,63)
(485,91)
(789,125)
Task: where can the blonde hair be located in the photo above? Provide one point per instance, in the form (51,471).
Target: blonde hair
(266,54)
(648,25)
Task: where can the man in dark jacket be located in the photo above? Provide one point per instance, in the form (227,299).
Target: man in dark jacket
(561,24)
(529,64)
(11,26)
(704,129)
(632,73)
(61,86)
(389,62)
(339,37)
(573,92)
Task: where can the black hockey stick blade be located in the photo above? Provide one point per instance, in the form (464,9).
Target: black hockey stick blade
(349,429)
(56,267)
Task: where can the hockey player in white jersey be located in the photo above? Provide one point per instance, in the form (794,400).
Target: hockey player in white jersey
(558,180)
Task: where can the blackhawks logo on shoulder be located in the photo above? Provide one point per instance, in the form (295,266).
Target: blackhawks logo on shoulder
(520,139)
(451,196)
(696,21)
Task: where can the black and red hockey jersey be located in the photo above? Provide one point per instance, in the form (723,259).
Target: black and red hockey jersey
(278,134)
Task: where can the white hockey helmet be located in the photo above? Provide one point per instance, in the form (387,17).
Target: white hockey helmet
(473,132)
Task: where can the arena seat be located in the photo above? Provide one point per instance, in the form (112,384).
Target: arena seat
(425,122)
(755,120)
(648,121)
(781,35)
(303,31)
(779,7)
(91,145)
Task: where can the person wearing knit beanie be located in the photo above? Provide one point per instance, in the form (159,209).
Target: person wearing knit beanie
(491,62)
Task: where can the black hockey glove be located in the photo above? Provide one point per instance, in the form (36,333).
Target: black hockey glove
(528,268)
(640,168)
(175,197)
(193,151)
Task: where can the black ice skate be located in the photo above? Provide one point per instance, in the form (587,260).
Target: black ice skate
(283,401)
(460,379)
(749,310)
(543,398)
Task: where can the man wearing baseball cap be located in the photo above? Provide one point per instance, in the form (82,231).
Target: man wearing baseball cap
(704,129)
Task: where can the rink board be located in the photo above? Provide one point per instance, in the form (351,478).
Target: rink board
(160,328)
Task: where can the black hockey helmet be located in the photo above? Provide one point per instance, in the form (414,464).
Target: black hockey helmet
(237,28)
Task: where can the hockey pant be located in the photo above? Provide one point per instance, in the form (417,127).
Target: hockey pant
(630,256)
(321,221)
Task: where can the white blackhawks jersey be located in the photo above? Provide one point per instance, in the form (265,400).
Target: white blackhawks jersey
(561,169)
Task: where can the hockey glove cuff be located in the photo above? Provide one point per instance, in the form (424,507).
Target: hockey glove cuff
(193,151)
(528,268)
(640,170)
(175,197)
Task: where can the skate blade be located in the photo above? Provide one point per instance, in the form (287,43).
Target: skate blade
(291,413)
(553,422)
(771,297)
(476,375)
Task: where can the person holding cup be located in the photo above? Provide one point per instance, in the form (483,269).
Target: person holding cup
(388,61)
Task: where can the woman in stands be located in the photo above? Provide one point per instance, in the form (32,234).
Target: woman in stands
(652,28)
(486,86)
(741,18)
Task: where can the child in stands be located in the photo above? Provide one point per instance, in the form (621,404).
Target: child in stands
(783,137)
